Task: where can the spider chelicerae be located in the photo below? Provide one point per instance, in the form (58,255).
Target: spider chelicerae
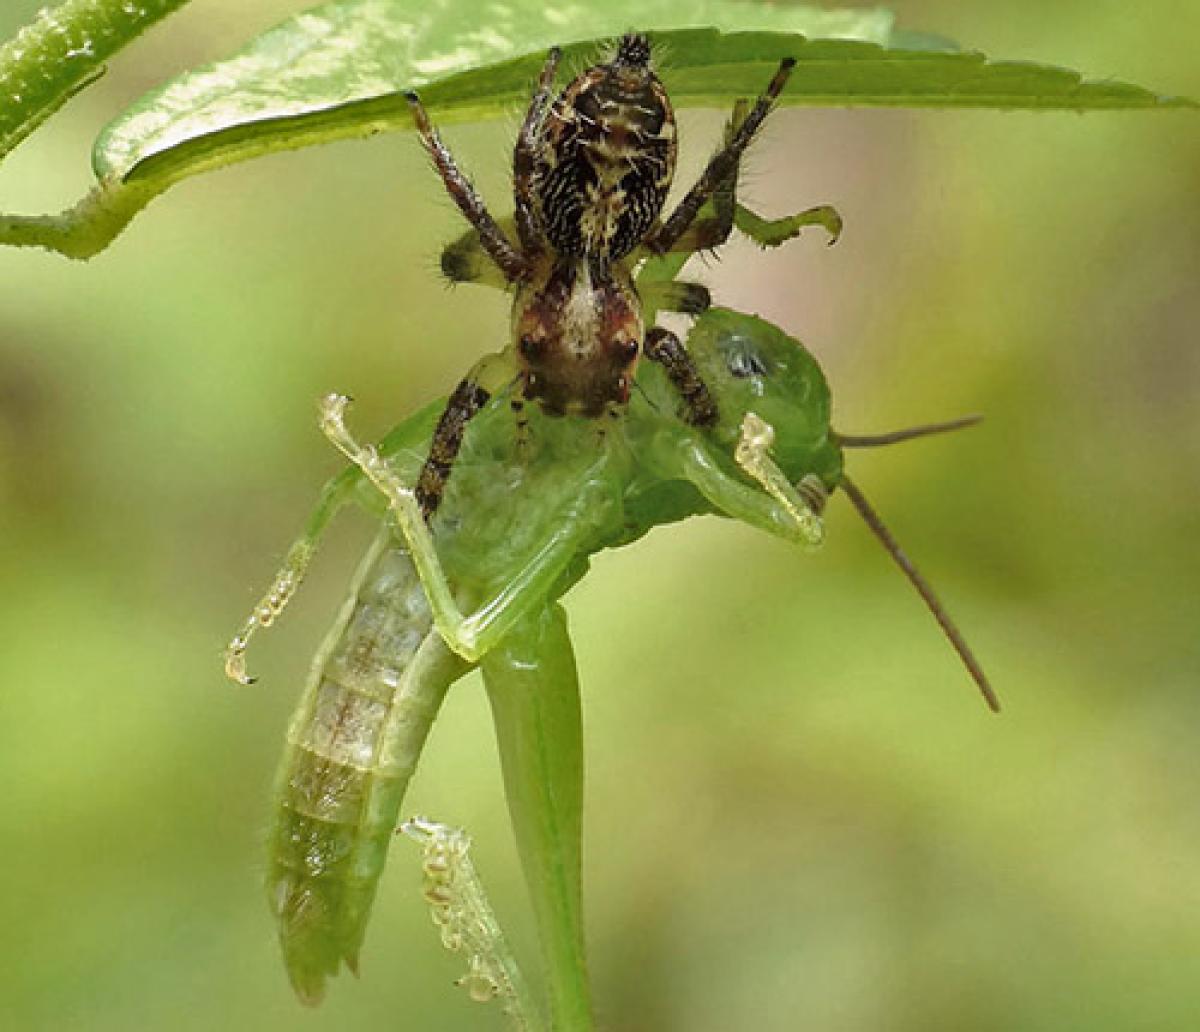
(591,170)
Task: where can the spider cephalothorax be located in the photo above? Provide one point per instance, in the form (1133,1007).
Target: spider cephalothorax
(591,170)
(578,328)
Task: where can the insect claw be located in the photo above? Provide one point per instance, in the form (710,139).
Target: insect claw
(235,662)
(753,455)
(332,413)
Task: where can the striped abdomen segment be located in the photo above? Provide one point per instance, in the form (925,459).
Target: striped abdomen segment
(353,744)
(607,157)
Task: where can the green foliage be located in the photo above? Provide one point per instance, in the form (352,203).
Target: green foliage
(61,52)
(337,71)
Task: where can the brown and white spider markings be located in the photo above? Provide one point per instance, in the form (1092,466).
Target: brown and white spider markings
(591,171)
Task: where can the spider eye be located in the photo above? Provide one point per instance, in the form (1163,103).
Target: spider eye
(629,349)
(528,346)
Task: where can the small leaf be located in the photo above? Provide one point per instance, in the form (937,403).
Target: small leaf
(336,71)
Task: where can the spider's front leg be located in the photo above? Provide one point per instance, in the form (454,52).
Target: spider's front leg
(464,404)
(663,347)
(525,155)
(708,232)
(492,238)
(722,167)
(675,296)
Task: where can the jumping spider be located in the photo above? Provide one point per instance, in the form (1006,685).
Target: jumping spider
(591,171)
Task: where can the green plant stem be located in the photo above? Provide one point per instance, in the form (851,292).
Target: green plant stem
(82,230)
(533,686)
(61,52)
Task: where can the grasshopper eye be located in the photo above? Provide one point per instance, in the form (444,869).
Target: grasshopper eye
(744,362)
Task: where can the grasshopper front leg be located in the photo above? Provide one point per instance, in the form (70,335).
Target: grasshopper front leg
(287,581)
(472,634)
(787,511)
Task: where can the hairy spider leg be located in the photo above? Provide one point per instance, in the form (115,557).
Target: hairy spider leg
(676,296)
(663,347)
(466,401)
(722,165)
(470,635)
(491,236)
(706,234)
(709,231)
(524,159)
(464,259)
(486,377)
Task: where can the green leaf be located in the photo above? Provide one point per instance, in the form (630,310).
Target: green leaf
(337,71)
(61,52)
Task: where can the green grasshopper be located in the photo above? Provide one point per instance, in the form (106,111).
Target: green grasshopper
(479,587)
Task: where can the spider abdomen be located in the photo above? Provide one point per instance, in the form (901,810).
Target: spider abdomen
(607,158)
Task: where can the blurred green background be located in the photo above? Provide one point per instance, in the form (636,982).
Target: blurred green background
(799,815)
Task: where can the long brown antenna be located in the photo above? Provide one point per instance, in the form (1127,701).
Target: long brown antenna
(896,436)
(872,520)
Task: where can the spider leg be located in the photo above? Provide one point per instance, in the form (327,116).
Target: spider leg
(498,247)
(676,296)
(465,402)
(521,425)
(663,347)
(709,231)
(722,165)
(525,155)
